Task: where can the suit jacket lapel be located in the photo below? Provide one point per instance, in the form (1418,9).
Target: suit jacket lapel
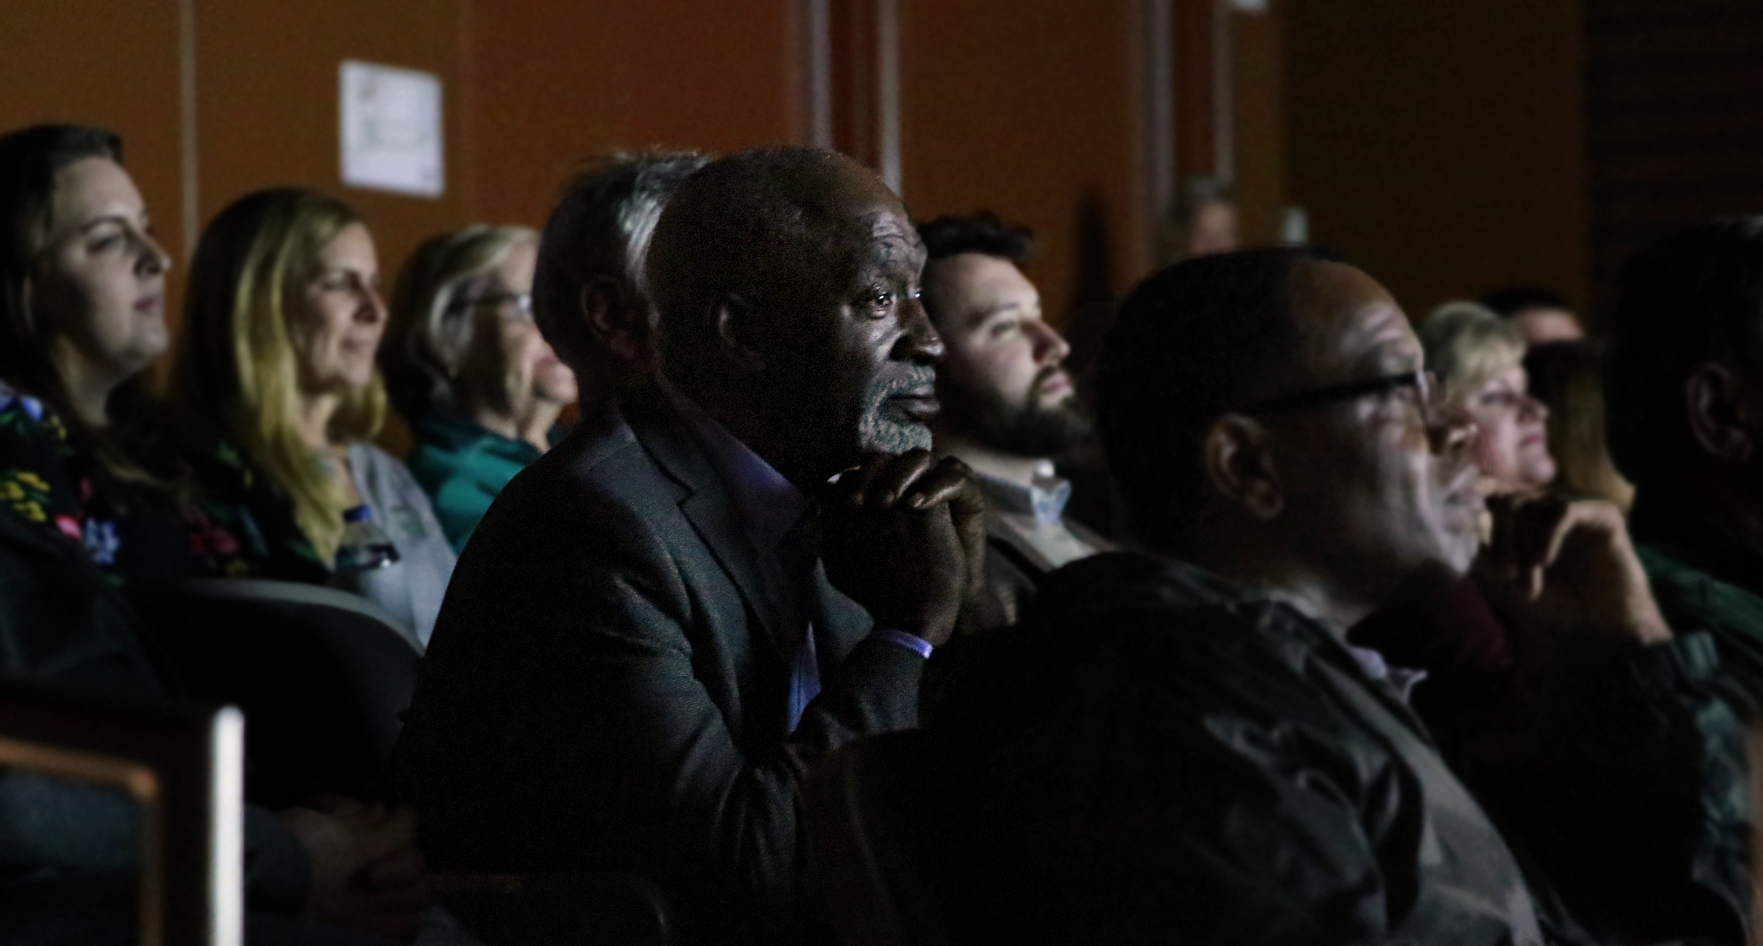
(663,433)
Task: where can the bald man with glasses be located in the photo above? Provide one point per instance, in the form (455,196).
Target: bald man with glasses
(1198,745)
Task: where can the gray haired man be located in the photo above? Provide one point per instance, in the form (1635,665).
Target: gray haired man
(590,297)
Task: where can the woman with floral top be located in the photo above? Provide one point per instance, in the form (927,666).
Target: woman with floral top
(82,316)
(277,347)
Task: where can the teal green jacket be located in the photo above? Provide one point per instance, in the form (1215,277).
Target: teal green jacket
(1701,581)
(463,467)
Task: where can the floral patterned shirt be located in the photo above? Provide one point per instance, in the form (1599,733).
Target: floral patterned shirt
(46,480)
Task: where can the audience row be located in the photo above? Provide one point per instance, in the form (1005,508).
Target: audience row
(1368,655)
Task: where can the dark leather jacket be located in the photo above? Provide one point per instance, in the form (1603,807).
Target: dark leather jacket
(1158,757)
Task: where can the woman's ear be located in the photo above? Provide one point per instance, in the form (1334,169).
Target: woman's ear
(730,318)
(1237,455)
(1721,416)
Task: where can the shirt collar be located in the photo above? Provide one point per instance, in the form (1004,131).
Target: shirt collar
(1044,499)
(1210,587)
(1372,662)
(769,505)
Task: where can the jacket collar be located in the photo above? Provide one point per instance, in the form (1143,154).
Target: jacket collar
(769,505)
(707,504)
(1103,588)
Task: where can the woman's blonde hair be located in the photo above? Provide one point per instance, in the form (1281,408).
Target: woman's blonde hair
(235,361)
(1467,343)
(429,331)
(1569,378)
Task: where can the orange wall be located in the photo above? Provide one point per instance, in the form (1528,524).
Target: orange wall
(557,82)
(529,88)
(55,67)
(266,113)
(1441,145)
(1031,108)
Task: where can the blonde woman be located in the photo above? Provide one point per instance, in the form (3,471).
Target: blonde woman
(1480,358)
(465,363)
(277,346)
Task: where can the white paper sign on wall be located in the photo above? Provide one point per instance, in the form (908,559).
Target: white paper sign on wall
(391,129)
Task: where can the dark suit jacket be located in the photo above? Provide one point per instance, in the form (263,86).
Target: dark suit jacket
(607,686)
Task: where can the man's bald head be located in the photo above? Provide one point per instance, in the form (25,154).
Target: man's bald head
(786,281)
(763,226)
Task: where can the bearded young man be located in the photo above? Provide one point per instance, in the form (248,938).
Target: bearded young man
(1008,405)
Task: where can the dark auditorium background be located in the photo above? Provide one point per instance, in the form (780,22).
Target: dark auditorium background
(1447,146)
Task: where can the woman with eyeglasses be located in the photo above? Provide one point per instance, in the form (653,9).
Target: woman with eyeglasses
(277,348)
(87,455)
(1479,357)
(466,365)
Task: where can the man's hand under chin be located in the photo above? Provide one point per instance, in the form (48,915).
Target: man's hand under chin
(904,536)
(1567,566)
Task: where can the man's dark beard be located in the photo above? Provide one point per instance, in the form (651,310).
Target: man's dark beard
(1023,430)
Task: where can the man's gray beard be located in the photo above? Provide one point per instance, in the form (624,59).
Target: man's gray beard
(877,433)
(1023,430)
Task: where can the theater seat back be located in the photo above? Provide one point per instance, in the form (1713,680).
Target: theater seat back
(322,676)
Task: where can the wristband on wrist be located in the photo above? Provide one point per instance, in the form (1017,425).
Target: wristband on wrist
(912,642)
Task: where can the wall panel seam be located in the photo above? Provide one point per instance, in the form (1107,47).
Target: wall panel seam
(192,220)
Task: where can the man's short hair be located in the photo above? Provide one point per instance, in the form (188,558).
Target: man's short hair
(1193,342)
(601,226)
(1511,300)
(750,225)
(1690,298)
(981,232)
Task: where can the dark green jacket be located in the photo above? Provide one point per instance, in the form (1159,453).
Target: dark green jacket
(1701,581)
(463,467)
(1158,757)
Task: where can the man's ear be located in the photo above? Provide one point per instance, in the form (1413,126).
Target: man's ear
(730,320)
(619,326)
(1721,416)
(1237,455)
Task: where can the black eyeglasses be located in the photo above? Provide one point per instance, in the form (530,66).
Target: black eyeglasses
(1428,394)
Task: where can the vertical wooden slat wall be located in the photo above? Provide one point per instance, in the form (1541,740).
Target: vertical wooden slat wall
(1675,92)
(1034,108)
(1441,145)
